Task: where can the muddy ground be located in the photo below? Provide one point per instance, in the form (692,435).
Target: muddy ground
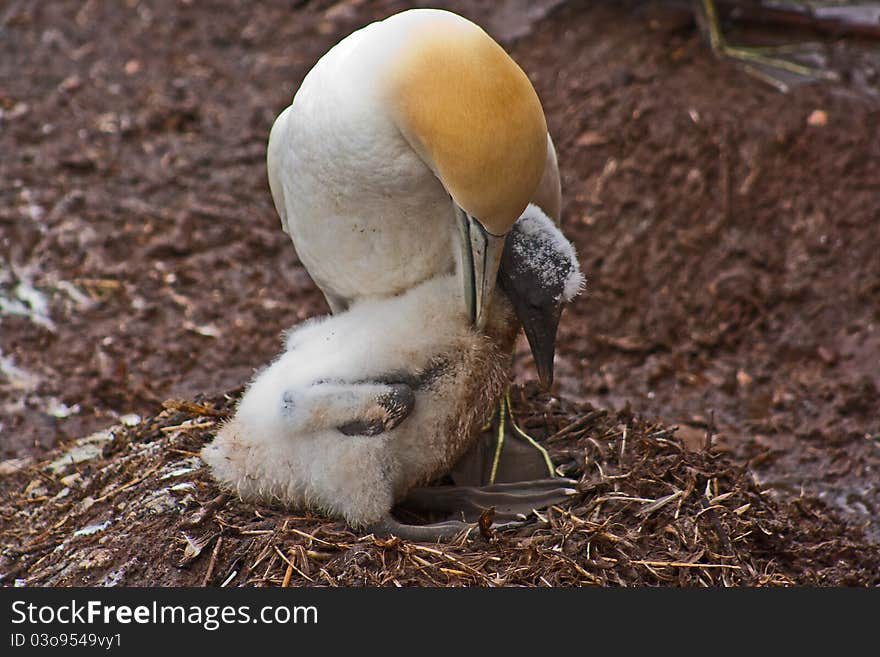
(729,231)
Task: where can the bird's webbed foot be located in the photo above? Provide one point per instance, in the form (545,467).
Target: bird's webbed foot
(512,504)
(512,501)
(430,533)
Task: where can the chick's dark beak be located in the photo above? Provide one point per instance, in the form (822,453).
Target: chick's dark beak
(538,309)
(540,325)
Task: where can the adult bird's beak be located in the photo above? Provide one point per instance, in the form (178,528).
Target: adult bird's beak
(481,253)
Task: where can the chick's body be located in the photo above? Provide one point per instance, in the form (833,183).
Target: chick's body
(284,442)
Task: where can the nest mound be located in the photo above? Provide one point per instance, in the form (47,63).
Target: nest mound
(135,506)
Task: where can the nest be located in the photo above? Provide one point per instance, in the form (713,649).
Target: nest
(135,506)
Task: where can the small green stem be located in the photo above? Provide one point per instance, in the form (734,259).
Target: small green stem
(757,55)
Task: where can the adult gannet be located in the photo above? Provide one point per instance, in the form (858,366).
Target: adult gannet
(409,151)
(367,404)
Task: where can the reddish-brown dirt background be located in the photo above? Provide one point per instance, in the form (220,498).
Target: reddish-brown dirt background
(729,232)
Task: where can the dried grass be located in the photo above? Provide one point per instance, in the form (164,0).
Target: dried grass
(650,512)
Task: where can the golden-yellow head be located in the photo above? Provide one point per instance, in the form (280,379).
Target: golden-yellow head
(471,113)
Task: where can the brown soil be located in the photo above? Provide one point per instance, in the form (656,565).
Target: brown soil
(728,231)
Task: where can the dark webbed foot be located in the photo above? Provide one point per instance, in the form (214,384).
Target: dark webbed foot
(512,501)
(431,533)
(510,455)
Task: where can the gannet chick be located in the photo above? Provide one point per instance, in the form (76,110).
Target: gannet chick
(365,405)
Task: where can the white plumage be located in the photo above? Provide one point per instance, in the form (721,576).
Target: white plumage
(394,128)
(409,376)
(351,192)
